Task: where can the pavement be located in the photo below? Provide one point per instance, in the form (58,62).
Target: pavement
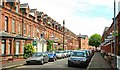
(14,64)
(98,63)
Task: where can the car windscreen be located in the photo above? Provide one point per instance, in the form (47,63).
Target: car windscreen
(78,54)
(37,55)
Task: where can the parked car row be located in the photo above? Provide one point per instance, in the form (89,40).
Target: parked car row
(80,58)
(44,57)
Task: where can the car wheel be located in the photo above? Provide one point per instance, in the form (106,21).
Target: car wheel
(47,61)
(42,62)
(27,63)
(69,65)
(53,59)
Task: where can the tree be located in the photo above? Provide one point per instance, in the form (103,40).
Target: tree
(49,45)
(95,40)
(28,50)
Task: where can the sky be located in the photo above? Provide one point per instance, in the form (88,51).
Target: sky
(85,17)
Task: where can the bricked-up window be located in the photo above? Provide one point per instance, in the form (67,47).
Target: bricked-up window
(17,47)
(13,25)
(3,46)
(9,46)
(24,29)
(6,24)
(19,28)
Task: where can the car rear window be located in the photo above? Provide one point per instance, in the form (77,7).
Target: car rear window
(78,54)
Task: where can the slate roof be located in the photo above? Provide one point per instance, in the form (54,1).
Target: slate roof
(106,28)
(82,36)
(24,5)
(12,0)
(33,10)
(40,13)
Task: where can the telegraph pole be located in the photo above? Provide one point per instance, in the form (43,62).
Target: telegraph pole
(115,64)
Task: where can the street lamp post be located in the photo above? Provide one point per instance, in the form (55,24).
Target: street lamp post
(115,34)
(63,32)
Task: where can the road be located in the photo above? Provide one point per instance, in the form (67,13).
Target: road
(60,64)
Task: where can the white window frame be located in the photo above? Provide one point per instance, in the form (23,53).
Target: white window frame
(9,47)
(17,48)
(6,24)
(19,27)
(16,8)
(3,47)
(29,30)
(23,47)
(0,2)
(24,29)
(13,25)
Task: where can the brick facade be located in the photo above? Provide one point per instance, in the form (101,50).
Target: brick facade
(108,46)
(20,25)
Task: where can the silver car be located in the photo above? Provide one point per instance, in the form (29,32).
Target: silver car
(78,58)
(59,54)
(38,58)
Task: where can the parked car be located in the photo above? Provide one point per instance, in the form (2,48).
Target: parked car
(38,58)
(52,55)
(88,54)
(65,53)
(78,58)
(59,54)
(68,53)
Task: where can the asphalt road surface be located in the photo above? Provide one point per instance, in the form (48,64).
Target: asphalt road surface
(61,64)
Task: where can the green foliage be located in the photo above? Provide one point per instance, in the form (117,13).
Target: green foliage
(115,34)
(95,40)
(28,50)
(49,45)
(78,48)
(60,48)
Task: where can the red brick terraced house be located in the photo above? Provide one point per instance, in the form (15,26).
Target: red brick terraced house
(20,25)
(108,38)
